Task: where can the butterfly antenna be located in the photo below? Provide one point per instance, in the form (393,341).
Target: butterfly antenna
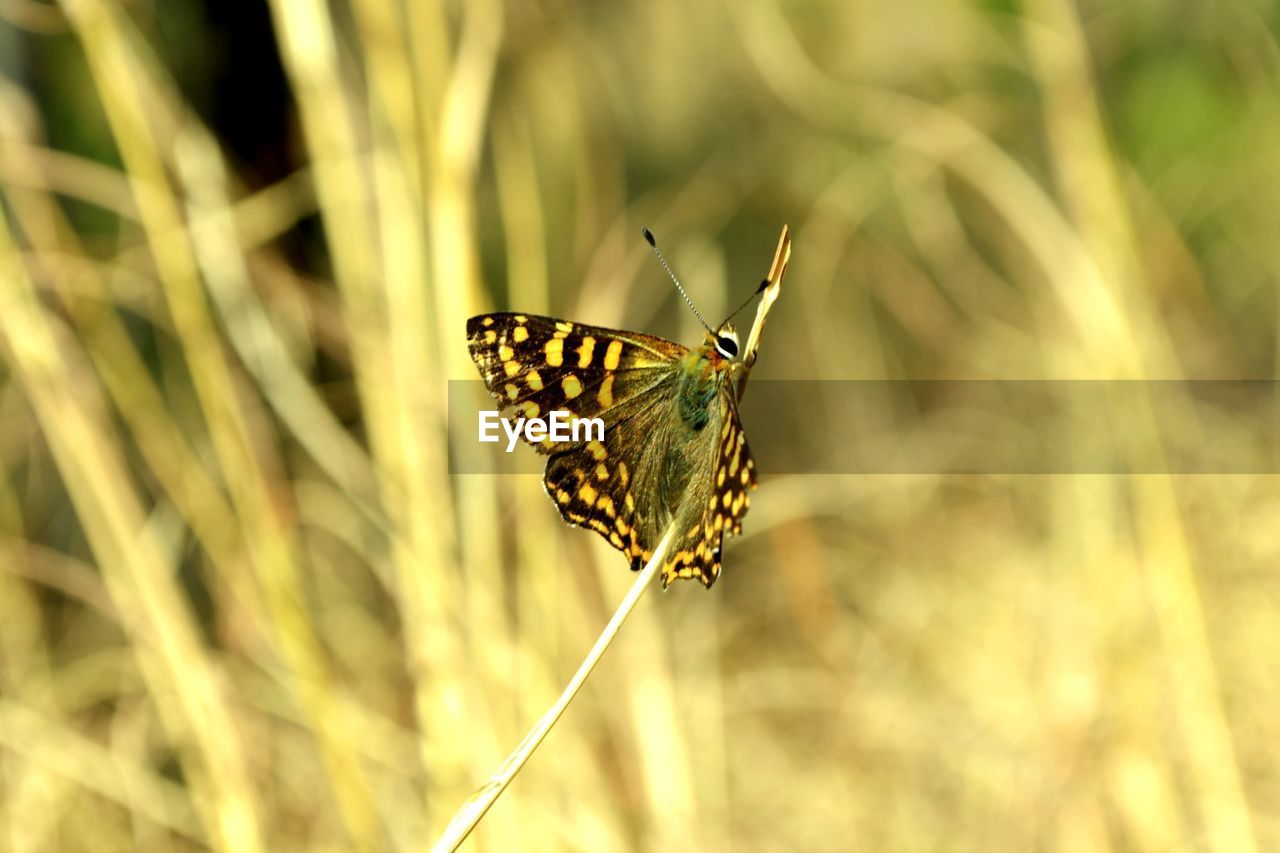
(748,301)
(653,244)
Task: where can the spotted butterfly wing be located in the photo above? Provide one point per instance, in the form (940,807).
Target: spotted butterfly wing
(673,449)
(536,365)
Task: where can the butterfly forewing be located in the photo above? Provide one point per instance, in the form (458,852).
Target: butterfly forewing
(536,365)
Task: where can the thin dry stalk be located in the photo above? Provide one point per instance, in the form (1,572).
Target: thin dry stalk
(474,808)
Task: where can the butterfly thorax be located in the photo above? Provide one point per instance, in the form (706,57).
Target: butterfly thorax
(702,372)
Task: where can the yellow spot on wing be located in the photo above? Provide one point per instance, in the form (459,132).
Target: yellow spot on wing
(597,451)
(520,318)
(490,336)
(555,352)
(512,390)
(587,494)
(506,353)
(605,394)
(602,473)
(564,327)
(585,350)
(572,387)
(511,367)
(530,409)
(487,321)
(519,333)
(685,557)
(612,355)
(534,379)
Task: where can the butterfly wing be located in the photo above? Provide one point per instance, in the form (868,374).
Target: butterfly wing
(715,499)
(616,486)
(655,471)
(537,365)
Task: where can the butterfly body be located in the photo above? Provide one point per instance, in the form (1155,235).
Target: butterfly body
(703,372)
(673,452)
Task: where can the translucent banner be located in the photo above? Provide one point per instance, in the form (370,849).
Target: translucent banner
(965,427)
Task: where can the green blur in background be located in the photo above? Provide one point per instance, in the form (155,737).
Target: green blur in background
(244,604)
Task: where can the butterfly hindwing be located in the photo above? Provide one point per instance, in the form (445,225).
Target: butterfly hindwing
(715,502)
(611,486)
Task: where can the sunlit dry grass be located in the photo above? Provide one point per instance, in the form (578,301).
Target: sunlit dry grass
(245,605)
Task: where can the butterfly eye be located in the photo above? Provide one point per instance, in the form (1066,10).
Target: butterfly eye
(727,345)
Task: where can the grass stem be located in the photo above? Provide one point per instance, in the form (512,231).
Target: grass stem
(470,813)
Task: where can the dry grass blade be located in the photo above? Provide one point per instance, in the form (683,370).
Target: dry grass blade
(474,808)
(191,695)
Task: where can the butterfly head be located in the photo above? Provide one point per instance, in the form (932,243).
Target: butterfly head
(725,341)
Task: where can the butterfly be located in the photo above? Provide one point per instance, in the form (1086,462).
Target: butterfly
(673,450)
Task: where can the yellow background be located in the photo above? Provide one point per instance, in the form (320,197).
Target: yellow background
(246,606)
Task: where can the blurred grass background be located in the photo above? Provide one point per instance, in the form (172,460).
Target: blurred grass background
(244,605)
